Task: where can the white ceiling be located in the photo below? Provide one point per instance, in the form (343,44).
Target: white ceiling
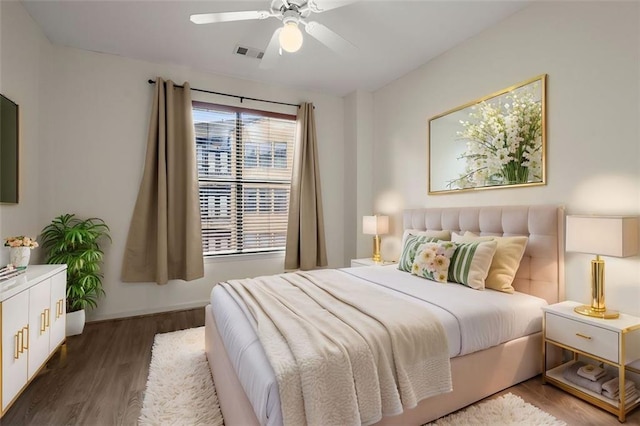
(393,37)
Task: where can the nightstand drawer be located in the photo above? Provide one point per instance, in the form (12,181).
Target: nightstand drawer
(584,337)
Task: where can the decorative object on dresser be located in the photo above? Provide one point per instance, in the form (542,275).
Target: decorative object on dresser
(603,236)
(376,226)
(10,271)
(32,312)
(20,250)
(494,142)
(613,344)
(76,243)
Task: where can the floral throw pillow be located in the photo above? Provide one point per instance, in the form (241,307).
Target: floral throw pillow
(432,260)
(410,249)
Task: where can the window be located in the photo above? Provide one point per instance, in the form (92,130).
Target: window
(244,170)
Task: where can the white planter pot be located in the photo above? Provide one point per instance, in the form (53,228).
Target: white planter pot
(19,256)
(75,322)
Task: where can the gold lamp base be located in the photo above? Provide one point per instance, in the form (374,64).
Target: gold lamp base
(376,249)
(589,311)
(597,308)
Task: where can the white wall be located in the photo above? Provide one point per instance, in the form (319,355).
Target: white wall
(591,53)
(358,125)
(84,154)
(21,60)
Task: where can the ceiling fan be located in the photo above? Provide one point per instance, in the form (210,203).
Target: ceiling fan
(288,37)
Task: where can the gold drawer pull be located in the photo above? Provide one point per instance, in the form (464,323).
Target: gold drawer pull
(47,316)
(21,341)
(25,344)
(584,336)
(16,340)
(42,326)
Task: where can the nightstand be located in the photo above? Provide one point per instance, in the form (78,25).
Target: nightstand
(609,342)
(369,262)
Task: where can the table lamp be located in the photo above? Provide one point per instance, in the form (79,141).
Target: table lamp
(603,236)
(376,226)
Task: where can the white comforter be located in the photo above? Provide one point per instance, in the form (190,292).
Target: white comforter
(344,352)
(473,320)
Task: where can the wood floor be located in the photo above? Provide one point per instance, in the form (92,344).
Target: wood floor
(101,379)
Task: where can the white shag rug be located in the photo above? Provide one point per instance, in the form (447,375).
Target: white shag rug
(180,388)
(506,410)
(180,391)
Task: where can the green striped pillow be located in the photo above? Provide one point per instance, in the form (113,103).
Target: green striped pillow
(471,262)
(411,245)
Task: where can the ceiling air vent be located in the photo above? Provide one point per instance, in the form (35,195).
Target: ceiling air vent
(250,52)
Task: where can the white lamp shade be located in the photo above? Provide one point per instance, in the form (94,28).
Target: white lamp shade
(603,235)
(290,37)
(375,225)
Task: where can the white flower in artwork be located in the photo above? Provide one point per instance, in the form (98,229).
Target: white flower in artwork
(504,141)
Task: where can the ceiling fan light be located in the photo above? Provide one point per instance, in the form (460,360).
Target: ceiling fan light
(290,37)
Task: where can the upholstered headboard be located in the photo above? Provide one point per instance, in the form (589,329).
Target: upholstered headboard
(541,271)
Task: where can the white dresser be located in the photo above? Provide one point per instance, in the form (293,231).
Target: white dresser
(32,310)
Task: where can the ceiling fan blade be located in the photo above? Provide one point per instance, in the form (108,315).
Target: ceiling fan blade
(272,52)
(330,39)
(319,6)
(210,18)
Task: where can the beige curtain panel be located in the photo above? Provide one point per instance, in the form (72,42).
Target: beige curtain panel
(306,247)
(165,238)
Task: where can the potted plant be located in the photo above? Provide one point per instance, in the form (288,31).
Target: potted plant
(76,242)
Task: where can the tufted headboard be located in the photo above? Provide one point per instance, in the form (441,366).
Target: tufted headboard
(541,271)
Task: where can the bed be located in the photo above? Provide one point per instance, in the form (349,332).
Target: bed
(515,357)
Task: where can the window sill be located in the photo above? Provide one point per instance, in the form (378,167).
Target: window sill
(246,257)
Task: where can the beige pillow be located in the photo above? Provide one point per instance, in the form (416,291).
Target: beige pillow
(471,262)
(506,261)
(438,235)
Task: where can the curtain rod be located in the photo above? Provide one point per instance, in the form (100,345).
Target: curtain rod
(242,98)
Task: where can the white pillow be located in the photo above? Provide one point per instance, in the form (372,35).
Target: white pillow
(471,262)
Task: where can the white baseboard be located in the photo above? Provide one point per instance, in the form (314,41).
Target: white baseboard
(128,314)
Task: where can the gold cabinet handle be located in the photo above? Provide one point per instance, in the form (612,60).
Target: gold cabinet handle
(584,336)
(25,343)
(21,341)
(16,352)
(47,314)
(42,326)
(61,307)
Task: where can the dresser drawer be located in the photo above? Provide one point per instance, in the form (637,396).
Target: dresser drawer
(584,337)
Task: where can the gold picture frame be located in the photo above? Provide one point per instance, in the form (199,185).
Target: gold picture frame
(497,141)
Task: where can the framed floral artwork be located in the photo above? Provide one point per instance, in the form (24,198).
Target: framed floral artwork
(494,142)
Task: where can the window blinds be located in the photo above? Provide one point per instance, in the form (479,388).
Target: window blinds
(244,169)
